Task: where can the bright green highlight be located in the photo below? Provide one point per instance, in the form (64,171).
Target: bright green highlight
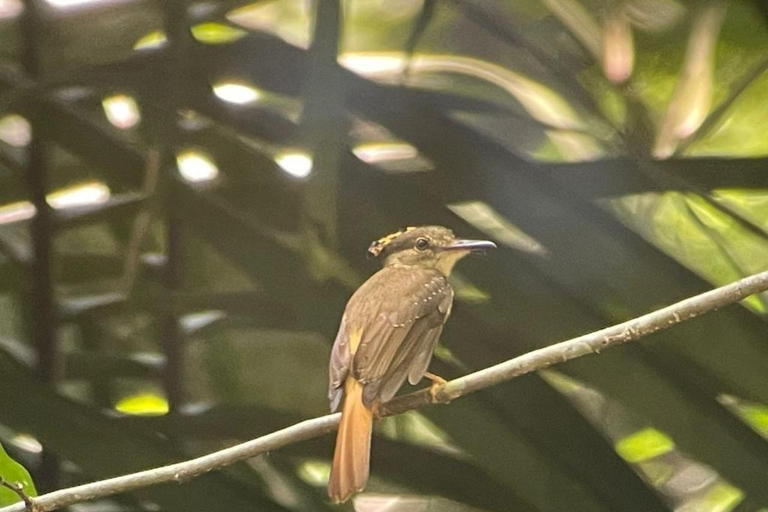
(644,445)
(144,404)
(315,472)
(756,415)
(697,234)
(216,33)
(722,498)
(154,39)
(13,472)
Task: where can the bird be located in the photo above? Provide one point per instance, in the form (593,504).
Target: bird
(388,332)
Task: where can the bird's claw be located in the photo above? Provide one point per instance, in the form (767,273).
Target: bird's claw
(436,386)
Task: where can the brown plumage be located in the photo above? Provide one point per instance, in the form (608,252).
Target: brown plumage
(388,332)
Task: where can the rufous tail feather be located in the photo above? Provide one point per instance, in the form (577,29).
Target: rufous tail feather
(351,459)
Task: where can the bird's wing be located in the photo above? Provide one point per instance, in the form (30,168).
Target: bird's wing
(401,330)
(338,368)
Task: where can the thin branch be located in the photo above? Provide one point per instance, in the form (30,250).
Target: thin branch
(539,359)
(592,343)
(18,488)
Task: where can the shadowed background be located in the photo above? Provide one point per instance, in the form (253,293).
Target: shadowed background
(187,190)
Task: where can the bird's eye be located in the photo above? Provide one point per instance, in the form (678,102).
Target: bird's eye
(422,244)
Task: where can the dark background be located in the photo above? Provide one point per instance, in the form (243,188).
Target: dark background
(187,190)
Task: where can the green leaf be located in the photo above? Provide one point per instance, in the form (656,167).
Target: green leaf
(14,473)
(643,445)
(216,33)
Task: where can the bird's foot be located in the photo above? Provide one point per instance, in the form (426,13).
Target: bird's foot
(437,384)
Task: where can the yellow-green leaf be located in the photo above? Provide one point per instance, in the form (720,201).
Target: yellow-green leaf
(13,472)
(644,445)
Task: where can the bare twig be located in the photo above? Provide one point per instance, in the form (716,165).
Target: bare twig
(18,488)
(527,363)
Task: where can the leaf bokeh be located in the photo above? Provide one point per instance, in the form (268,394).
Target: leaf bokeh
(187,190)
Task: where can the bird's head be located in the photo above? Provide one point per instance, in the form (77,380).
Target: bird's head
(426,247)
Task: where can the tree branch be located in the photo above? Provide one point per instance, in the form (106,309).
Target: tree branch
(527,363)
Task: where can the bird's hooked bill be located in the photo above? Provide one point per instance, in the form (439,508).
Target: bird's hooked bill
(470,245)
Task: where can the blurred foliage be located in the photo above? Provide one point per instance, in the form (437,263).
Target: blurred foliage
(644,445)
(187,190)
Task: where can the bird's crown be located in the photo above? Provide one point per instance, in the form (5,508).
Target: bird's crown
(379,245)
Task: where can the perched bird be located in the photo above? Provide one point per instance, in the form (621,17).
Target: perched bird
(388,332)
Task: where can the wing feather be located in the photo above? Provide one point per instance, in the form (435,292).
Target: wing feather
(404,317)
(421,360)
(338,369)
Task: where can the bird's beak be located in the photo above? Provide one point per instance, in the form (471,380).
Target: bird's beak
(470,245)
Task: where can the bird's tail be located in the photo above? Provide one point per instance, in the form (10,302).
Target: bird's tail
(351,459)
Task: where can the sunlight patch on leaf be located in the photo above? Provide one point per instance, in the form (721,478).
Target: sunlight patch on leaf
(415,428)
(314,472)
(723,497)
(693,93)
(698,235)
(541,102)
(237,92)
(193,322)
(216,33)
(368,502)
(757,417)
(295,162)
(374,64)
(15,131)
(290,20)
(392,157)
(651,453)
(143,404)
(154,39)
(27,443)
(579,21)
(742,130)
(17,212)
(753,204)
(13,472)
(121,110)
(86,194)
(609,99)
(618,47)
(67,4)
(10,9)
(380,148)
(196,166)
(574,146)
(561,382)
(644,445)
(753,414)
(375,153)
(482,216)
